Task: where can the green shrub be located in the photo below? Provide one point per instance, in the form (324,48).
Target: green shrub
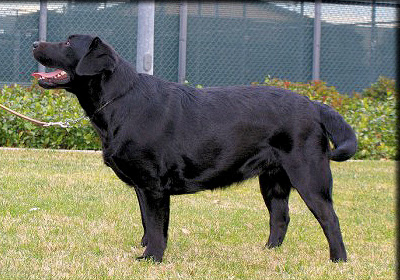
(374,121)
(380,89)
(47,106)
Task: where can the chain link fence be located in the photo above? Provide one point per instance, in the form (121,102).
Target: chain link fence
(227,43)
(18,29)
(240,43)
(358,44)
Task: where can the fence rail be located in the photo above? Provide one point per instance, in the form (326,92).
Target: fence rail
(348,44)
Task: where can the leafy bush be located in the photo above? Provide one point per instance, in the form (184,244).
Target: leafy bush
(371,114)
(47,106)
(380,89)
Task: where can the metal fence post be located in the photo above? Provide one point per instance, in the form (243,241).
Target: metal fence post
(373,42)
(145,37)
(317,42)
(42,27)
(182,41)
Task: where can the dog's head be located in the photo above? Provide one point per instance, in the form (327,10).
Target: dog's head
(78,56)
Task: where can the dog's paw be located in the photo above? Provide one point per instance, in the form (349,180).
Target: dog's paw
(272,245)
(152,259)
(144,241)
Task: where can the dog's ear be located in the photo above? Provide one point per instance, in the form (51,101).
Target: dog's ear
(99,58)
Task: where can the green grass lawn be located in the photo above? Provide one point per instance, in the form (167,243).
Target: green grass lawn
(64,215)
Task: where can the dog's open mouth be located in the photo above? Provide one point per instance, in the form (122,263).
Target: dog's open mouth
(58,77)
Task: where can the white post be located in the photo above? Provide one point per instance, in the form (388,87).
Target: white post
(317,42)
(145,37)
(182,41)
(42,27)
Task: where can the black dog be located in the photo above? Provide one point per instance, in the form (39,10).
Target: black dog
(164,138)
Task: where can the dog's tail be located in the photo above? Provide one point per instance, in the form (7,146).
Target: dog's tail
(339,132)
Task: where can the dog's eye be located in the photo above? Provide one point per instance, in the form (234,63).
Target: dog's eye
(68,43)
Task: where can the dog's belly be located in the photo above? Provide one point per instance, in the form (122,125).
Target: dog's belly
(192,178)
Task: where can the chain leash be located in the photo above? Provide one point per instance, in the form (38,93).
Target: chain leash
(66,124)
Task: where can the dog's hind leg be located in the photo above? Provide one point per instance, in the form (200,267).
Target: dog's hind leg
(313,181)
(275,189)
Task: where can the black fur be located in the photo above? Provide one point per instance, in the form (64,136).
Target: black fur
(164,138)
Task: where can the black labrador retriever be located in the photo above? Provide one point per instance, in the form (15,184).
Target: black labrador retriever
(165,138)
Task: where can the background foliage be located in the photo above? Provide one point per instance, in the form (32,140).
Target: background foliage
(47,106)
(372,114)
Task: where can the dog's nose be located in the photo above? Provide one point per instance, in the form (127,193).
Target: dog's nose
(35,44)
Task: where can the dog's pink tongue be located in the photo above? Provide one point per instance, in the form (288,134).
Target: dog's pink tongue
(46,75)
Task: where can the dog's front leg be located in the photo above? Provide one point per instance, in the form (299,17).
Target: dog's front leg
(140,196)
(155,212)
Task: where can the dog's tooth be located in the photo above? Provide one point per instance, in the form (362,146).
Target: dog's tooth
(63,73)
